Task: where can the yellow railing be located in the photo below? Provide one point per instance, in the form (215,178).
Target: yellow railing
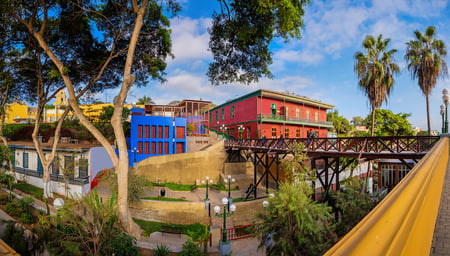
(403,222)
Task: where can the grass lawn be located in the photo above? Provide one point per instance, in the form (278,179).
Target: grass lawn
(30,189)
(195,231)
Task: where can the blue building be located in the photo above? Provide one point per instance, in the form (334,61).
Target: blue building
(153,135)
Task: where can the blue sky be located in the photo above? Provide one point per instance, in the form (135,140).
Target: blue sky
(320,65)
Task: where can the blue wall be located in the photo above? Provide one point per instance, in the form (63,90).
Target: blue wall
(155,135)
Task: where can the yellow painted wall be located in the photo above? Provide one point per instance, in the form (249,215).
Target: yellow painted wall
(16,110)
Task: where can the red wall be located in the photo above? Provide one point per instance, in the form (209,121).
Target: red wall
(246,114)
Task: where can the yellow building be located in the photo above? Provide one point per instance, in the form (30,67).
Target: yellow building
(19,112)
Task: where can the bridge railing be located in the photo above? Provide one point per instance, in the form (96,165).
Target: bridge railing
(403,222)
(399,144)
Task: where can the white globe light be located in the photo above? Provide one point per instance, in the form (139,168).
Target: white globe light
(445,97)
(224,200)
(207,178)
(233,180)
(225,180)
(58,203)
(442,107)
(232,207)
(445,91)
(271,195)
(229,176)
(216,209)
(203,182)
(211,181)
(265,204)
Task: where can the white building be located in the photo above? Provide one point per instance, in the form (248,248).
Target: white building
(82,161)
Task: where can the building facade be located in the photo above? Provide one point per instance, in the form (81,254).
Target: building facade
(81,163)
(270,114)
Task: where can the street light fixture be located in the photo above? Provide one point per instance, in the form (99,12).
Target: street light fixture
(229,181)
(241,129)
(224,244)
(442,115)
(445,98)
(224,130)
(207,202)
(134,151)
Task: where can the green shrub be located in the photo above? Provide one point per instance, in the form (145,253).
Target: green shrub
(161,250)
(30,189)
(4,199)
(190,249)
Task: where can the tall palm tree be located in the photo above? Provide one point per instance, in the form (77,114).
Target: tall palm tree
(425,57)
(375,71)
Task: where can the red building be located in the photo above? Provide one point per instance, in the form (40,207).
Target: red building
(271,114)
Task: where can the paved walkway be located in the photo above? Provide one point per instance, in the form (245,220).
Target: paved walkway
(441,238)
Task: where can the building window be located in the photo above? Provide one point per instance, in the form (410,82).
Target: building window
(232,111)
(154,131)
(180,132)
(140,131)
(69,166)
(166,132)
(140,148)
(286,133)
(160,148)
(153,148)
(25,160)
(316,115)
(147,131)
(210,117)
(297,133)
(166,148)
(217,115)
(248,132)
(297,113)
(274,132)
(222,114)
(274,111)
(83,168)
(160,132)
(147,148)
(307,114)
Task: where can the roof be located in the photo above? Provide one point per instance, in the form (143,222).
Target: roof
(278,95)
(48,146)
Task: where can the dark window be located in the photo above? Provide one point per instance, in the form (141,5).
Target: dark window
(140,131)
(166,132)
(154,131)
(232,111)
(147,131)
(180,132)
(160,132)
(153,148)
(222,114)
(180,147)
(83,168)
(166,148)
(69,166)
(147,148)
(140,148)
(25,160)
(160,149)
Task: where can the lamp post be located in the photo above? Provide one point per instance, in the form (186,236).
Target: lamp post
(442,115)
(134,151)
(229,181)
(207,203)
(224,244)
(241,129)
(224,129)
(445,98)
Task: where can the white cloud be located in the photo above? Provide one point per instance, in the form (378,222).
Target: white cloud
(190,39)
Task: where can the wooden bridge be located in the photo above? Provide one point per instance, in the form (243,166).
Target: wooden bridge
(327,150)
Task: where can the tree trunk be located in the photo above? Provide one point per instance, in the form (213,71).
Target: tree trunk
(373,121)
(428,115)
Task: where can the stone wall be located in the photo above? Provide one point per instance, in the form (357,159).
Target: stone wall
(184,168)
(170,212)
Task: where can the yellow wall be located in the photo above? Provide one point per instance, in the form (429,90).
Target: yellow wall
(16,110)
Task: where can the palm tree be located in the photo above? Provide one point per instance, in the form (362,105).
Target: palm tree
(425,57)
(375,71)
(145,101)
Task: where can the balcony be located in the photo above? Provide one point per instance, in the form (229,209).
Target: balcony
(293,120)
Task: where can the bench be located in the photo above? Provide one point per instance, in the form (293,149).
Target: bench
(172,229)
